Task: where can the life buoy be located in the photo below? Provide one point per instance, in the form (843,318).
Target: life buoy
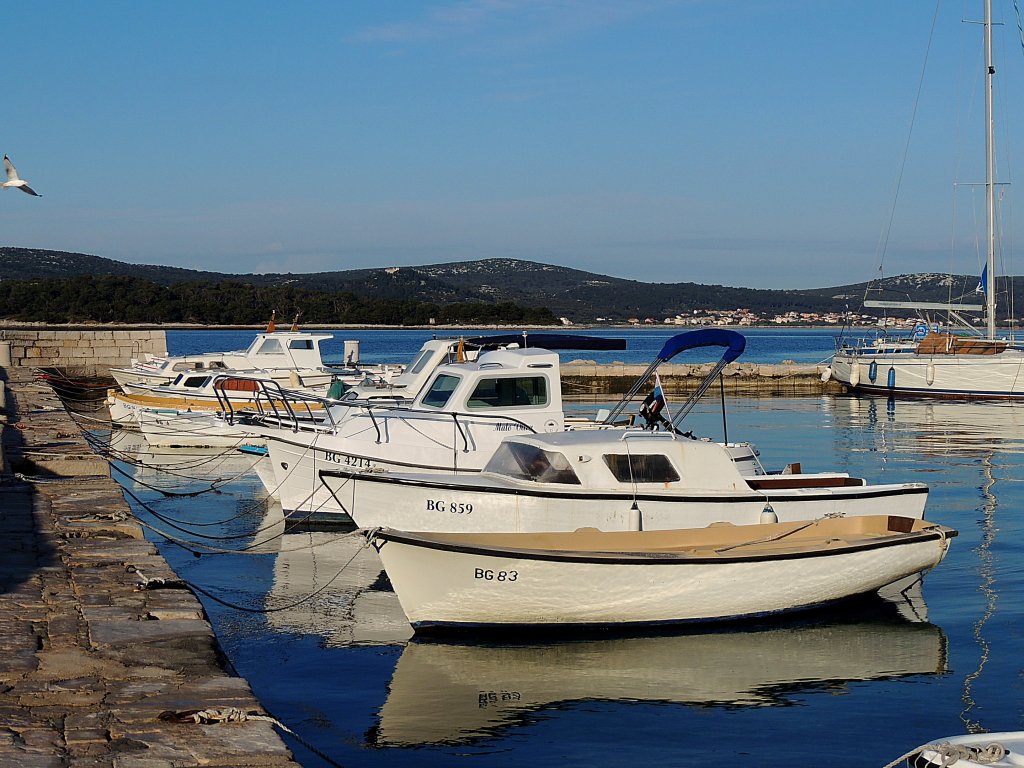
(873,371)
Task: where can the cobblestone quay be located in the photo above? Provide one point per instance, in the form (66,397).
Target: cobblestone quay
(88,661)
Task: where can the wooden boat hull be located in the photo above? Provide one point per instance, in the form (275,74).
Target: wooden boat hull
(632,579)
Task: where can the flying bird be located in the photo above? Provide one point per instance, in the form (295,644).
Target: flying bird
(13,181)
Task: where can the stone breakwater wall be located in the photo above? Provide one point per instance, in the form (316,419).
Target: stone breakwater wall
(88,659)
(89,353)
(583,379)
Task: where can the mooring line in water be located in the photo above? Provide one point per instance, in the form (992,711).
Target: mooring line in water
(144,583)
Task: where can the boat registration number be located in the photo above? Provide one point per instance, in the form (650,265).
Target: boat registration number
(455,507)
(348,461)
(488,575)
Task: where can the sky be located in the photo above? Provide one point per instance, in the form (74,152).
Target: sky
(755,143)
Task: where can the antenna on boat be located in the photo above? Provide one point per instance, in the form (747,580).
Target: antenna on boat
(725,425)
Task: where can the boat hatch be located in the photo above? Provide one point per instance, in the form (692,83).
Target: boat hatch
(528,462)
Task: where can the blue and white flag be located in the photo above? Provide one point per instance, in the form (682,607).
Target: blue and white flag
(983,285)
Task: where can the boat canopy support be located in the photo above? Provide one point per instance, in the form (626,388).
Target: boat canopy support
(733,342)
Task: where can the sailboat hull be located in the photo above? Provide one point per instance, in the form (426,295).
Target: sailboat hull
(907,373)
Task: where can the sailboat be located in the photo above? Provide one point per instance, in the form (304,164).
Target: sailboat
(933,362)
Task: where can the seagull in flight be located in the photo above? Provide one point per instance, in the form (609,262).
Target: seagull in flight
(14,182)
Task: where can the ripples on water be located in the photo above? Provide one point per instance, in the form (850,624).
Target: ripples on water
(328,652)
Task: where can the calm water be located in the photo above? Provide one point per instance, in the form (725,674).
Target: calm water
(764,345)
(327,651)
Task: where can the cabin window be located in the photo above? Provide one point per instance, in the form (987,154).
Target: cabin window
(300,344)
(421,360)
(641,468)
(440,391)
(271,347)
(184,366)
(195,381)
(509,392)
(528,462)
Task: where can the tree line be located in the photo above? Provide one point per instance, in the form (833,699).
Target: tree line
(121,299)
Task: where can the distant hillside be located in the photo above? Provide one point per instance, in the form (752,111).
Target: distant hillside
(578,295)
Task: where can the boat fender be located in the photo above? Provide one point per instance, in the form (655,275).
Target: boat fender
(636,518)
(826,374)
(768,514)
(873,371)
(929,373)
(854,374)
(891,378)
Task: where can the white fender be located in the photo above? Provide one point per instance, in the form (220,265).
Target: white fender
(826,374)
(855,374)
(929,373)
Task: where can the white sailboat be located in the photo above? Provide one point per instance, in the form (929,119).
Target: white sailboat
(944,363)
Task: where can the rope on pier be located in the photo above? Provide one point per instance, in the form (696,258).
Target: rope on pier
(225,715)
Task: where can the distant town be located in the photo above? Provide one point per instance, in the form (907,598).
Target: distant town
(746,317)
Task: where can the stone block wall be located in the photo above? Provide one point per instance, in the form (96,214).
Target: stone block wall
(88,352)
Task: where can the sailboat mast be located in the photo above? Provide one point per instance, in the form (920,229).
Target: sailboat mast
(990,167)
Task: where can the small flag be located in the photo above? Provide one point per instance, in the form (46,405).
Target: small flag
(272,326)
(983,285)
(653,404)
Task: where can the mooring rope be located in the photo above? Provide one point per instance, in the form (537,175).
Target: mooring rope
(948,754)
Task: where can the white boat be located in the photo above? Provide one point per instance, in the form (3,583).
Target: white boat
(272,350)
(983,750)
(613,480)
(940,363)
(453,425)
(589,578)
(208,409)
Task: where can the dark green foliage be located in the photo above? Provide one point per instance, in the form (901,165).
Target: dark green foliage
(119,299)
(489,288)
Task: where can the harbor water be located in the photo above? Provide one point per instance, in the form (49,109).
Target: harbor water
(308,617)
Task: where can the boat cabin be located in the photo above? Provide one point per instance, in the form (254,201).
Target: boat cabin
(616,459)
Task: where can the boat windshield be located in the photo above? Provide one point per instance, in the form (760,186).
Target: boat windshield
(641,468)
(528,462)
(509,392)
(271,347)
(440,391)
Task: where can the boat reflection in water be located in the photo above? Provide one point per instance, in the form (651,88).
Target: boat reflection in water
(456,693)
(333,586)
(934,427)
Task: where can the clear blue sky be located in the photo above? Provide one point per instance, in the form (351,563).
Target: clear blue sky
(749,143)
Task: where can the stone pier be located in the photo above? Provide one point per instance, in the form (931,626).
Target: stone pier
(583,380)
(88,660)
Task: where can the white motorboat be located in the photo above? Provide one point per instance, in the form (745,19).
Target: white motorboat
(980,750)
(278,351)
(589,578)
(613,480)
(207,409)
(456,422)
(934,362)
